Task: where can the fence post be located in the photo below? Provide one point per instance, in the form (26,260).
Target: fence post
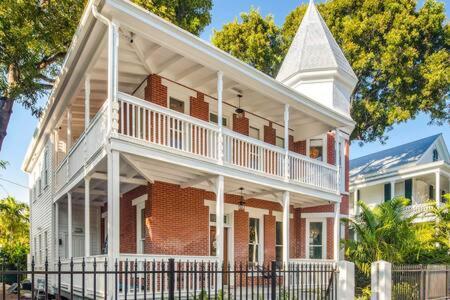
(381,280)
(346,280)
(273,280)
(171,278)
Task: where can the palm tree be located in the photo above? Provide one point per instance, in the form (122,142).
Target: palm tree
(383,233)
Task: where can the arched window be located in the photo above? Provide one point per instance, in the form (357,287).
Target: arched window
(435,155)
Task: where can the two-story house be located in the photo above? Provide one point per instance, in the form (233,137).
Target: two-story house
(419,171)
(155,143)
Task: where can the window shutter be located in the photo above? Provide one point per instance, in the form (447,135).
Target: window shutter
(408,189)
(430,192)
(387,192)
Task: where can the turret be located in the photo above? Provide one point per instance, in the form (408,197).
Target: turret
(316,66)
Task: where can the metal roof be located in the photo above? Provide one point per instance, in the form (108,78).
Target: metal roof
(402,155)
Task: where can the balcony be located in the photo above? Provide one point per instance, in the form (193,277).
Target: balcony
(156,126)
(151,125)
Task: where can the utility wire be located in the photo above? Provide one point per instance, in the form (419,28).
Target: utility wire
(12,182)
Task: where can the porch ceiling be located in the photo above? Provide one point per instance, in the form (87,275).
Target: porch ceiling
(139,57)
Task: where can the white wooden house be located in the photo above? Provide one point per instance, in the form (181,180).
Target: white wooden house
(157,144)
(419,171)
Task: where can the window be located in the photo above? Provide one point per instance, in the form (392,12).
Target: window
(435,155)
(430,192)
(316,240)
(254,241)
(176,105)
(214,119)
(35,249)
(408,189)
(142,233)
(253,132)
(316,149)
(40,250)
(279,241)
(45,171)
(45,245)
(254,153)
(387,192)
(176,135)
(279,141)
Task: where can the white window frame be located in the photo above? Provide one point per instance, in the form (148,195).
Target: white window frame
(45,168)
(46,244)
(224,118)
(139,203)
(260,243)
(324,139)
(40,248)
(278,245)
(324,235)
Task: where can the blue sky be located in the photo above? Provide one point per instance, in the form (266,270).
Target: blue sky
(22,124)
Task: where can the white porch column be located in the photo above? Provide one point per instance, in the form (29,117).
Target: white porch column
(87,101)
(286,218)
(355,201)
(286,142)
(336,233)
(346,280)
(69,129)
(113,74)
(56,241)
(87,217)
(392,189)
(437,191)
(337,155)
(69,225)
(113,206)
(220,115)
(219,190)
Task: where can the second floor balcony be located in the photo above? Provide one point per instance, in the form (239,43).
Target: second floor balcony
(152,125)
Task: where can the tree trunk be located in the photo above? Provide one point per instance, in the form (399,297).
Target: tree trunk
(6,104)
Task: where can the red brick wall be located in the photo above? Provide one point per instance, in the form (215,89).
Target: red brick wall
(299,147)
(128,220)
(199,107)
(331,151)
(319,209)
(330,238)
(303,240)
(270,134)
(241,223)
(154,91)
(269,238)
(241,125)
(177,221)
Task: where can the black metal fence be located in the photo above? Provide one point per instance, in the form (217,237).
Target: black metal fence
(172,279)
(414,282)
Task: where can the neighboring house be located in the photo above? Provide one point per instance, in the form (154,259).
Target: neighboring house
(155,143)
(419,171)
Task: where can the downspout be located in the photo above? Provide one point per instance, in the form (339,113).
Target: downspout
(100,17)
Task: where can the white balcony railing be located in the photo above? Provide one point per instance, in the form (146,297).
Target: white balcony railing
(252,154)
(420,210)
(153,124)
(87,145)
(312,172)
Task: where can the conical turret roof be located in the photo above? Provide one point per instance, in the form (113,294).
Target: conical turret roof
(313,49)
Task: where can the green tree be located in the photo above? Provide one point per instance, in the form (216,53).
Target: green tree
(399,52)
(14,231)
(255,40)
(35,36)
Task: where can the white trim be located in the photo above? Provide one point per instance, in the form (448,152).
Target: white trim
(320,215)
(139,207)
(324,236)
(139,200)
(252,211)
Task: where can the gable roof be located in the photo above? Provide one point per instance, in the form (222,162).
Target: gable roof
(402,155)
(313,48)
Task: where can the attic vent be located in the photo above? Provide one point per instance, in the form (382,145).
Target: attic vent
(435,155)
